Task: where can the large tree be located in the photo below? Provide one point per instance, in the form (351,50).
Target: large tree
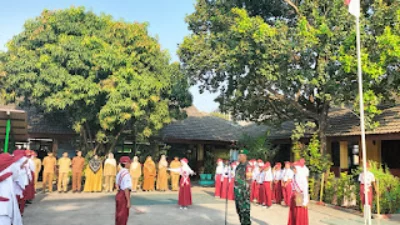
(108,77)
(292,63)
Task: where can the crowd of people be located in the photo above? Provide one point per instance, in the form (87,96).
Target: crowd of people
(19,174)
(257,182)
(246,182)
(100,174)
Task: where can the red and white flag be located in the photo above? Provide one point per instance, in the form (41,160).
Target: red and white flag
(354,7)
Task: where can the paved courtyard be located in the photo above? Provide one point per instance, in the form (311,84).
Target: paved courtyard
(161,208)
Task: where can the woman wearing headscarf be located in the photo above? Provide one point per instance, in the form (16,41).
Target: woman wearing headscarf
(185,193)
(162,178)
(136,172)
(149,173)
(93,175)
(110,171)
(298,210)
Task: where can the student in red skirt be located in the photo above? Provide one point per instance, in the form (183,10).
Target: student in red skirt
(277,183)
(231,193)
(225,180)
(267,185)
(298,210)
(255,184)
(185,193)
(367,179)
(218,176)
(124,187)
(287,177)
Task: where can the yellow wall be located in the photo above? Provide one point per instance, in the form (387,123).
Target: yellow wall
(344,155)
(200,152)
(374,151)
(221,153)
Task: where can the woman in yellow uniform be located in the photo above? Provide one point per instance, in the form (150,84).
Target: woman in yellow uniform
(136,172)
(162,178)
(110,171)
(149,173)
(93,175)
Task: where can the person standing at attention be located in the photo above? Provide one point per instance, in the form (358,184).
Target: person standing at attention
(162,178)
(110,171)
(287,177)
(94,175)
(298,207)
(123,197)
(243,178)
(136,172)
(219,171)
(78,162)
(9,211)
(367,179)
(38,167)
(149,174)
(49,168)
(64,166)
(175,164)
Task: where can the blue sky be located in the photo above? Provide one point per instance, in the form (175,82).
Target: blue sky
(166,19)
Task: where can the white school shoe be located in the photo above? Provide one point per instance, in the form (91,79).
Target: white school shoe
(181,208)
(185,208)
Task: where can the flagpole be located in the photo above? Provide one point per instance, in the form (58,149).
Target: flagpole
(367,207)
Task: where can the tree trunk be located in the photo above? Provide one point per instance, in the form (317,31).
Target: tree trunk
(85,141)
(322,128)
(116,139)
(90,134)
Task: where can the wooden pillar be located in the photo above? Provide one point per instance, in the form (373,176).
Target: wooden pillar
(54,147)
(200,157)
(344,155)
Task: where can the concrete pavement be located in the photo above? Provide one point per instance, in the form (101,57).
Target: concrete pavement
(161,208)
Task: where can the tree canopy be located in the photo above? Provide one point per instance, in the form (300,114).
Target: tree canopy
(108,77)
(294,63)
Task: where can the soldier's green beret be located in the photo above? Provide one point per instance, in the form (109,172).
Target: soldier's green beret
(244,151)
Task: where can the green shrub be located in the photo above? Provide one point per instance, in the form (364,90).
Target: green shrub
(389,190)
(329,188)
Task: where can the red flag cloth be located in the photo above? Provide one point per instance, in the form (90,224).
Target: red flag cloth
(122,212)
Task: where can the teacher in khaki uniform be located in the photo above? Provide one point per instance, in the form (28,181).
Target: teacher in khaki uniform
(49,167)
(64,166)
(78,162)
(175,164)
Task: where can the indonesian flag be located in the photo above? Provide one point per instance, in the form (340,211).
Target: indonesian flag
(354,7)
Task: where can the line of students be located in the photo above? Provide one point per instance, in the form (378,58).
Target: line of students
(270,185)
(17,185)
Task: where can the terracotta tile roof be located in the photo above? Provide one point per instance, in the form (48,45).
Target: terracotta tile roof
(342,122)
(345,123)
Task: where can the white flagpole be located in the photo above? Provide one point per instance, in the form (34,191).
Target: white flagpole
(367,207)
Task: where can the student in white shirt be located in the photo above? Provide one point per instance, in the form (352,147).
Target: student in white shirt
(367,179)
(277,183)
(267,184)
(298,210)
(287,177)
(124,187)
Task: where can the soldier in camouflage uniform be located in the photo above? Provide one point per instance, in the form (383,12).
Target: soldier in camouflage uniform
(242,188)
